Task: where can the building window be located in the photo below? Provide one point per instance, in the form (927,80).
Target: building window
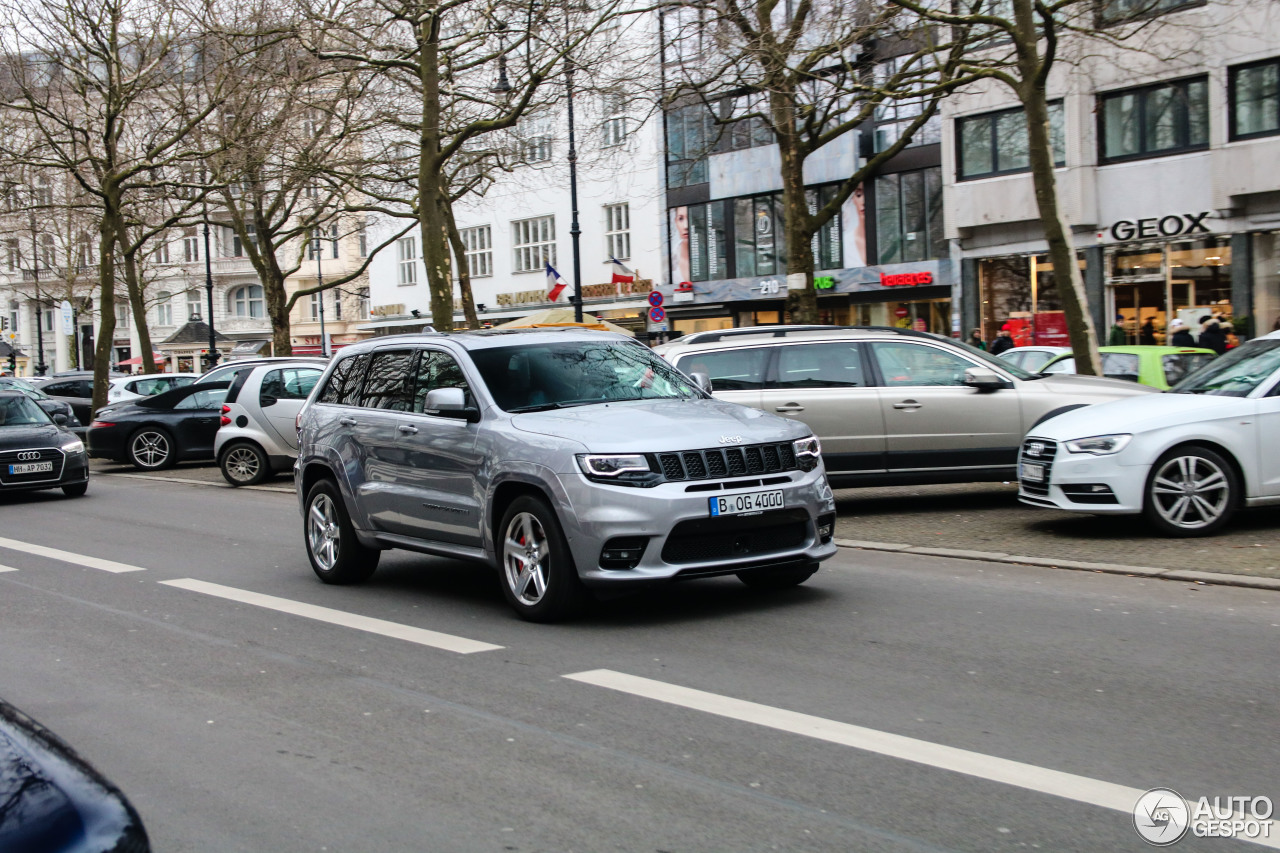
(48,252)
(894,116)
(1255,99)
(477,244)
(122,317)
(1115,11)
(536,133)
(190,246)
(193,305)
(362,303)
(617,230)
(996,143)
(84,252)
(43,190)
(909,217)
(337,303)
(748,130)
(247,301)
(828,253)
(161,253)
(317,301)
(759,240)
(13,254)
(614,128)
(362,243)
(533,244)
(15,311)
(238,245)
(698,242)
(49,314)
(407,251)
(164,308)
(690,131)
(1152,121)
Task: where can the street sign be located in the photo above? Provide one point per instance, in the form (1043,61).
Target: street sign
(655,298)
(657,315)
(11,337)
(66,318)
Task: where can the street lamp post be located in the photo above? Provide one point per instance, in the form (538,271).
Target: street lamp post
(575,232)
(208,290)
(41,367)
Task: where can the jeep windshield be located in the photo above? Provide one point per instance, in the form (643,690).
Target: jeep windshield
(1236,374)
(562,374)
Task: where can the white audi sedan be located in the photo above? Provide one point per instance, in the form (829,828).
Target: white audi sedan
(1186,459)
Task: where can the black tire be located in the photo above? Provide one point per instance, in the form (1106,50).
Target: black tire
(1191,491)
(151,449)
(76,490)
(336,555)
(774,579)
(244,463)
(548,590)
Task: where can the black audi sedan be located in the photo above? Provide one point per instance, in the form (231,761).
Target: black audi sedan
(156,432)
(35,452)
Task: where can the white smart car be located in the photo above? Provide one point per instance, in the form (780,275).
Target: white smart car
(1186,459)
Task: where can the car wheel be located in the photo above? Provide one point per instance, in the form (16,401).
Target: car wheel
(783,578)
(336,555)
(538,576)
(244,464)
(76,490)
(1191,491)
(151,449)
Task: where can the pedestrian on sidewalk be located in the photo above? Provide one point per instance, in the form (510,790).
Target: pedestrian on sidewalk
(1003,341)
(1180,334)
(976,341)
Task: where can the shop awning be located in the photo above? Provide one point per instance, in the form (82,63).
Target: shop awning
(137,359)
(248,347)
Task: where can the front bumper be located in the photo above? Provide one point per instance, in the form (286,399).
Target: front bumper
(1081,482)
(672,528)
(71,470)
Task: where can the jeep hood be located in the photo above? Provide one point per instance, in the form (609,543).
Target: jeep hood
(658,426)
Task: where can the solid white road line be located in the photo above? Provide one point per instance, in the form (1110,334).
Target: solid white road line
(7,569)
(1082,789)
(421,636)
(68,557)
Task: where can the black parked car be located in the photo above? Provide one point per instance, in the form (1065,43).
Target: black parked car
(53,801)
(156,432)
(76,388)
(51,406)
(35,452)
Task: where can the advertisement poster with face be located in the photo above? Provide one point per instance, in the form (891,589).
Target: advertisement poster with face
(680,245)
(855,228)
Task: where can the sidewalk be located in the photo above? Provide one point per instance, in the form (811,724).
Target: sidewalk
(987,517)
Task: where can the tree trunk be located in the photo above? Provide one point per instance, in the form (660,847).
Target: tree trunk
(273,293)
(138,305)
(106,302)
(1066,272)
(802,298)
(464,272)
(432,199)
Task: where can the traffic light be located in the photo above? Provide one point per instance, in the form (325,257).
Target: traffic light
(13,362)
(4,324)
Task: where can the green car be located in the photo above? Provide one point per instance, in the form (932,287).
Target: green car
(1159,367)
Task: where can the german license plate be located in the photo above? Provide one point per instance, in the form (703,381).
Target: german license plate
(746,503)
(1032,472)
(31,468)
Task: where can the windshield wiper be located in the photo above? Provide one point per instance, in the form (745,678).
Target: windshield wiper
(543,407)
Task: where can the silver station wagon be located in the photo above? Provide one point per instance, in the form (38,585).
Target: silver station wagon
(566,459)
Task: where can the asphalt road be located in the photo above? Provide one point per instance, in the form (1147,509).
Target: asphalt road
(894,702)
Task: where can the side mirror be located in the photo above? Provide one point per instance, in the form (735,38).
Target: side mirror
(60,419)
(450,403)
(983,379)
(266,400)
(702,380)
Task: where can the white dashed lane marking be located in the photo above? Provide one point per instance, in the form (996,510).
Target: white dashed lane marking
(69,557)
(1081,789)
(409,633)
(7,569)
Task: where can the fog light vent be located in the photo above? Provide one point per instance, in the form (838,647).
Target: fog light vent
(623,552)
(826,527)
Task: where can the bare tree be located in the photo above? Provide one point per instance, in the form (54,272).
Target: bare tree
(805,74)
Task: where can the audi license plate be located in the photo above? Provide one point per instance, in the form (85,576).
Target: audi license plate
(31,468)
(746,503)
(1032,472)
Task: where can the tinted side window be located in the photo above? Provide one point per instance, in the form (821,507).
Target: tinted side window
(1181,365)
(210,399)
(332,390)
(61,389)
(1120,365)
(298,382)
(390,382)
(820,366)
(437,370)
(904,364)
(730,370)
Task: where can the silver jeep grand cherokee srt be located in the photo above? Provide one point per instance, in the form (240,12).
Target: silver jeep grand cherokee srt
(566,459)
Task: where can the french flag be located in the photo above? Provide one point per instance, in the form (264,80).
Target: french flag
(554,285)
(621,275)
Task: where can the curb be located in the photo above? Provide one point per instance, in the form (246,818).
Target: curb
(190,482)
(1076,565)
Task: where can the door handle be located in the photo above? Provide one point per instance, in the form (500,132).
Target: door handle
(908,404)
(347,421)
(408,429)
(789,407)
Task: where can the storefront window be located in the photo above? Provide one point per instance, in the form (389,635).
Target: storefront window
(909,216)
(760,246)
(1266,274)
(1021,292)
(827,253)
(690,134)
(698,242)
(1185,280)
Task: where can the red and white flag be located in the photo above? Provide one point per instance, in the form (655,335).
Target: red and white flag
(622,275)
(554,285)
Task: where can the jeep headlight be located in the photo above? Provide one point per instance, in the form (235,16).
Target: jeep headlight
(808,452)
(626,469)
(1099,445)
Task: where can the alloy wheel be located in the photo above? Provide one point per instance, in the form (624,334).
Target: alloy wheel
(1190,491)
(323,536)
(150,449)
(242,464)
(526,558)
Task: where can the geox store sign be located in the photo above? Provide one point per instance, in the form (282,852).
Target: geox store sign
(1172,225)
